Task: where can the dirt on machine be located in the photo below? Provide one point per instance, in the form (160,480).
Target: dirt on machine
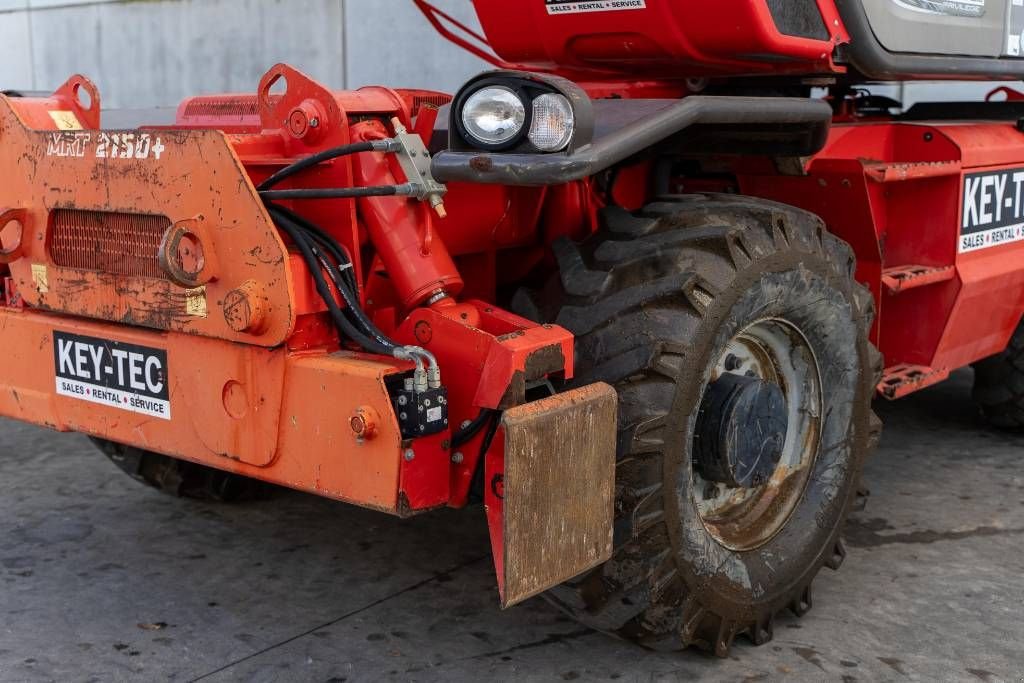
(633,290)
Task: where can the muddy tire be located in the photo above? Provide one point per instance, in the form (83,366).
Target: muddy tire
(656,299)
(999,385)
(181,478)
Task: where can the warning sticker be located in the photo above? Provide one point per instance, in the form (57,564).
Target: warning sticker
(40,279)
(580,6)
(993,209)
(195,302)
(113,374)
(65,120)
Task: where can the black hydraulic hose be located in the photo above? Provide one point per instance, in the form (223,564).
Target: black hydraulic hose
(310,162)
(351,305)
(344,266)
(326,241)
(331,193)
(478,482)
(463,436)
(348,295)
(343,323)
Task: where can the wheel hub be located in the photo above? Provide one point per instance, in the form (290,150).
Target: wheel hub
(741,431)
(757,433)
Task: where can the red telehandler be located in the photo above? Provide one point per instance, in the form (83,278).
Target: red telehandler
(626,289)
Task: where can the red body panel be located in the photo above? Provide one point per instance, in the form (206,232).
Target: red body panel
(665,39)
(895,192)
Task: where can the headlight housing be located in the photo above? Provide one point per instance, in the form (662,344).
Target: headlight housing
(520,113)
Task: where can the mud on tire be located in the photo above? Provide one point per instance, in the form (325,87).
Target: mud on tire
(653,298)
(181,478)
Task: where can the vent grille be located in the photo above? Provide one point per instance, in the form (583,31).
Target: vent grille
(242,106)
(116,243)
(417,98)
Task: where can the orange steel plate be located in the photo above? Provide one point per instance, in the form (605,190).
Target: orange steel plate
(269,414)
(190,177)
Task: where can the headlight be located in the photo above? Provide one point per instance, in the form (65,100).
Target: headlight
(553,123)
(494,115)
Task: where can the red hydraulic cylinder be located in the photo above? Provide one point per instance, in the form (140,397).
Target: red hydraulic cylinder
(417,261)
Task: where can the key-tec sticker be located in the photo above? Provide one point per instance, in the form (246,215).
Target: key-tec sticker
(580,6)
(993,209)
(113,374)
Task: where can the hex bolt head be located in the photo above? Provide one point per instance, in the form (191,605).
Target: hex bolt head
(457,458)
(402,400)
(410,455)
(465,424)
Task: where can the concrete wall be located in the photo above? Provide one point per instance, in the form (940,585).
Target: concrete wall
(153,53)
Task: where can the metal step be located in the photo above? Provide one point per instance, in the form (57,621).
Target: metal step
(901,278)
(896,173)
(901,380)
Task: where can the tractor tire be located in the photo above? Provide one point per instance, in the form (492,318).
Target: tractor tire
(182,478)
(999,385)
(656,299)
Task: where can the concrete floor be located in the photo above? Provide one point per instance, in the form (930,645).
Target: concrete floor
(103,580)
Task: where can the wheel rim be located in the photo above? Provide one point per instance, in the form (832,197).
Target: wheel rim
(772,353)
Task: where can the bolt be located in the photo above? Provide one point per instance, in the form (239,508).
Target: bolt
(465,424)
(358,424)
(410,455)
(732,363)
(402,400)
(457,458)
(403,416)
(314,123)
(426,402)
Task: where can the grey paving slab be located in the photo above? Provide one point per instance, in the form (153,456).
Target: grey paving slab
(103,580)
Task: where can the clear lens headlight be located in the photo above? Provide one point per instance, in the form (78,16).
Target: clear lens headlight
(553,123)
(494,115)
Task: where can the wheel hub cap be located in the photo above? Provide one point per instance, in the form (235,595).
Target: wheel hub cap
(741,431)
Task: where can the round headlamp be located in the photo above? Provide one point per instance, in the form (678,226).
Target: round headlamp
(494,115)
(553,123)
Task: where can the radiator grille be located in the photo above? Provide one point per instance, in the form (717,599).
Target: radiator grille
(116,243)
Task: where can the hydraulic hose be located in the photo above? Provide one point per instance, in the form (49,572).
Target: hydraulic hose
(334,193)
(348,295)
(326,155)
(363,331)
(463,436)
(326,242)
(343,323)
